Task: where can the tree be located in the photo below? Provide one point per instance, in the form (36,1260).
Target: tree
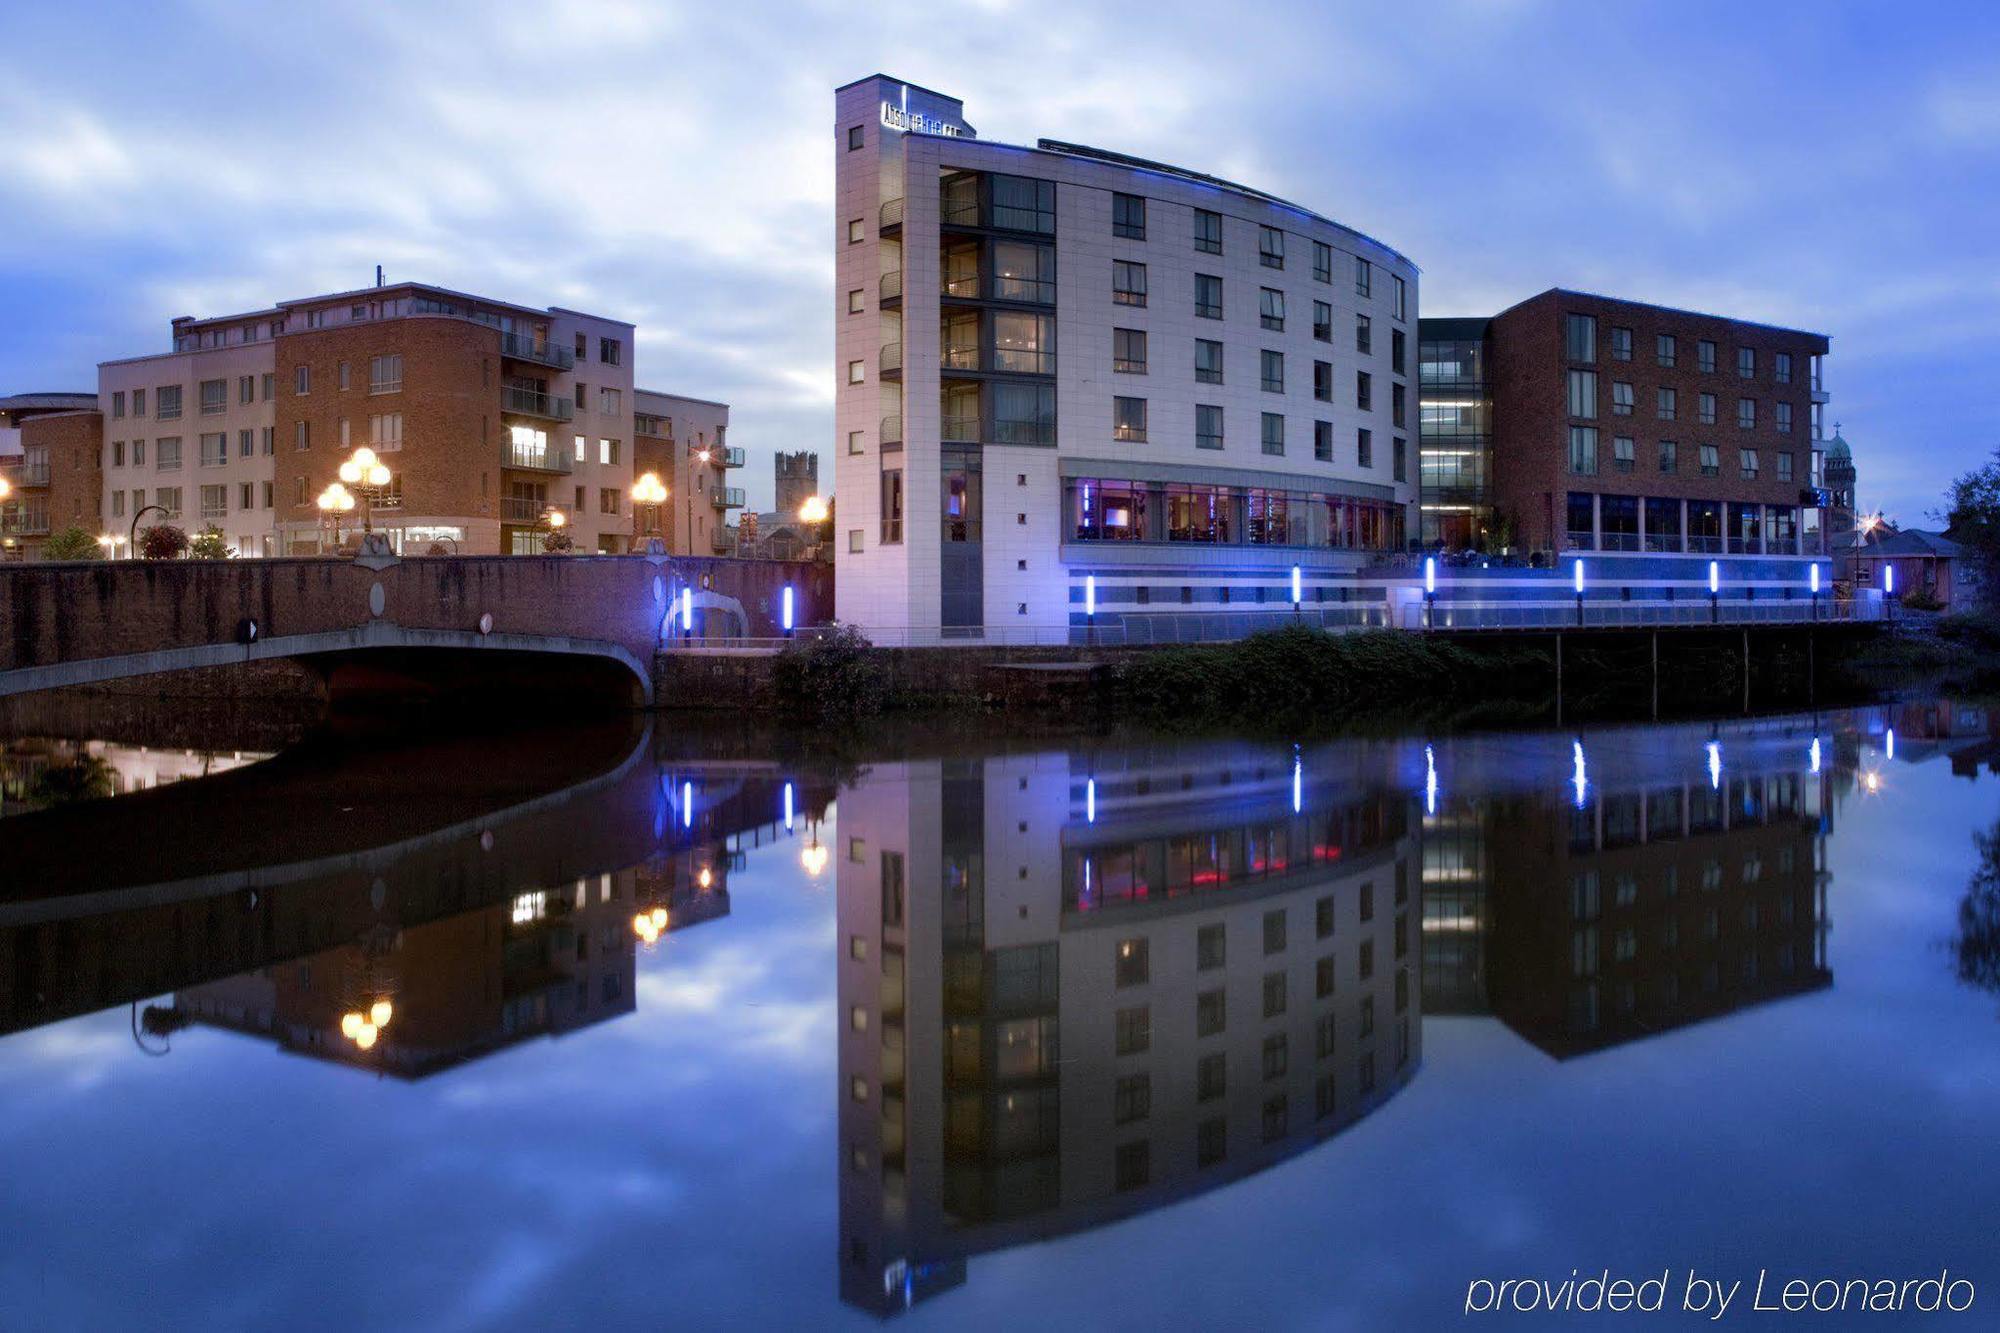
(72,543)
(163,541)
(557,541)
(1972,519)
(208,544)
(1976,947)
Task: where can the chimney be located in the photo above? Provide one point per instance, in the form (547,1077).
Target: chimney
(378,275)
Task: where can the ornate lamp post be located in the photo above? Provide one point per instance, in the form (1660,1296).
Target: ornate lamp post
(648,494)
(366,475)
(813,512)
(334,501)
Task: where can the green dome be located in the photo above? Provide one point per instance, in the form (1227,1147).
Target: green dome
(1837,446)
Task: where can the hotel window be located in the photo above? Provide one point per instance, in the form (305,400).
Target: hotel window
(267,440)
(1669,456)
(268,493)
(1323,381)
(1781,367)
(167,453)
(607,499)
(1663,349)
(1211,1013)
(1207,427)
(1711,461)
(1747,461)
(1364,390)
(138,453)
(1399,399)
(582,346)
(1273,371)
(1399,306)
(1128,351)
(1132,1098)
(215,501)
(1128,216)
(267,385)
(1399,461)
(1621,344)
(1784,423)
(1398,347)
(1274,434)
(1322,261)
(385,374)
(854,372)
(1274,1067)
(855,231)
(1705,409)
(117,504)
(1364,447)
(1669,404)
(1022,203)
(610,402)
(215,448)
(1746,363)
(344,441)
(118,453)
(1207,361)
(1621,399)
(1579,338)
(1705,356)
(1322,321)
(1207,296)
(1274,994)
(1364,335)
(1207,232)
(1583,450)
(1134,1030)
(1784,467)
(1128,282)
(1270,247)
(214,397)
(1128,420)
(608,451)
(1322,441)
(1364,278)
(1622,453)
(118,403)
(892,506)
(167,402)
(1271,309)
(1746,414)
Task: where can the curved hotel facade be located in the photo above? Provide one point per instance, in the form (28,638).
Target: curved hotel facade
(1080,393)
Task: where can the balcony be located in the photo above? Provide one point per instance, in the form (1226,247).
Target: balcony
(889,291)
(718,455)
(523,509)
(523,347)
(24,522)
(533,403)
(892,360)
(25,474)
(726,497)
(959,429)
(534,458)
(722,540)
(892,431)
(892,217)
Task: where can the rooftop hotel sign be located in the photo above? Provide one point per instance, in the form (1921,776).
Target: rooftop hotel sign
(904,119)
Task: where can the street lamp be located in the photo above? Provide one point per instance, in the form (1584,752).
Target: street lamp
(367,474)
(363,1027)
(334,501)
(813,513)
(649,493)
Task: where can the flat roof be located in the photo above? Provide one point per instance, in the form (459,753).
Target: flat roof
(1670,310)
(890,78)
(184,321)
(48,402)
(681,397)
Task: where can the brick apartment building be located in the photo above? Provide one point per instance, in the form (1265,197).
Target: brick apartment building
(491,417)
(685,442)
(1573,422)
(48,462)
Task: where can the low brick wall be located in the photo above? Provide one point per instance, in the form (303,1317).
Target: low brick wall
(731,679)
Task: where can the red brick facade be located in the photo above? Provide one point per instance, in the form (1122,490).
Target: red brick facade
(75,489)
(1528,376)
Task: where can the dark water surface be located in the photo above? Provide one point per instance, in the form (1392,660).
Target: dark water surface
(623,1026)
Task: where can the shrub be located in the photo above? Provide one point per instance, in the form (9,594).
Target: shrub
(163,541)
(72,543)
(557,541)
(1922,599)
(836,672)
(208,544)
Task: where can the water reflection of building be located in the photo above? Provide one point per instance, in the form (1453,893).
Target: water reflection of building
(1073,989)
(35,771)
(1632,913)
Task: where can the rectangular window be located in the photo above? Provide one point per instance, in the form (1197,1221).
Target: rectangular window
(1322,261)
(1128,351)
(1323,381)
(854,372)
(1711,461)
(1211,1013)
(267,440)
(1583,393)
(1131,964)
(1705,356)
(215,501)
(1207,361)
(1322,441)
(138,402)
(1784,420)
(1669,404)
(1663,349)
(118,403)
(1583,450)
(1273,364)
(892,506)
(385,432)
(1784,467)
(1271,309)
(1323,321)
(1705,406)
(1623,453)
(1274,433)
(1399,459)
(607,499)
(340,376)
(169,499)
(609,350)
(1747,461)
(1670,460)
(1580,337)
(1364,391)
(1364,278)
(1364,447)
(301,435)
(214,397)
(1211,1074)
(1621,344)
(1128,216)
(1133,1030)
(1128,282)
(854,442)
(1207,296)
(385,373)
(1274,994)
(1207,427)
(215,448)
(1209,945)
(167,402)
(1399,410)
(1398,343)
(1270,247)
(1399,305)
(1746,363)
(1207,232)
(246,495)
(1746,414)
(1621,399)
(302,380)
(1128,420)
(1781,367)
(167,453)
(1364,335)
(246,388)
(138,453)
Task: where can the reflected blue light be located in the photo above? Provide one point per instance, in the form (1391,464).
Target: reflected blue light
(1889,743)
(1714,576)
(1430,574)
(1579,578)
(687,805)
(1813,755)
(1714,765)
(1298,784)
(788,806)
(1295,585)
(1090,594)
(1579,774)
(1090,800)
(1430,782)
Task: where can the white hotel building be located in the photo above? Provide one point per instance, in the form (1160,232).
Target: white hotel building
(1080,393)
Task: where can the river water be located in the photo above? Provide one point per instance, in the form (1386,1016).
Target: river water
(625,1024)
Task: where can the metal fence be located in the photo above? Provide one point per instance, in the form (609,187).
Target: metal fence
(1458,615)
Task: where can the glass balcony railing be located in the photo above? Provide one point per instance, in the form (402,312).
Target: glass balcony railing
(533,403)
(726,497)
(722,540)
(25,474)
(24,522)
(891,287)
(892,214)
(960,356)
(892,430)
(523,509)
(534,457)
(892,358)
(523,347)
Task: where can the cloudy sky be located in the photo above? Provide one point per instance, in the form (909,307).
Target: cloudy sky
(1826,166)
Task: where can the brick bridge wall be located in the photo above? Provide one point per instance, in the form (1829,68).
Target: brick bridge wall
(68,624)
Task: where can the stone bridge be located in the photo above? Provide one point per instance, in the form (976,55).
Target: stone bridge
(77,624)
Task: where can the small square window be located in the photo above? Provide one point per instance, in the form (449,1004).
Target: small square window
(856,231)
(854,137)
